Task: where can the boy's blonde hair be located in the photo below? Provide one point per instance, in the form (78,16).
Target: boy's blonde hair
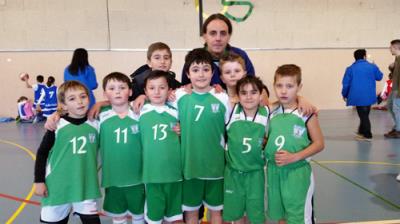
(232,57)
(68,86)
(157,46)
(290,70)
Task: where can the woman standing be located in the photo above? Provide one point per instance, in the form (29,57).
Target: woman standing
(80,70)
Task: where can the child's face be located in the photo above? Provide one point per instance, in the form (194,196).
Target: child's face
(157,91)
(76,103)
(231,72)
(117,92)
(160,60)
(200,76)
(286,89)
(249,97)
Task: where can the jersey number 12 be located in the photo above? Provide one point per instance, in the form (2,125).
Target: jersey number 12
(80,140)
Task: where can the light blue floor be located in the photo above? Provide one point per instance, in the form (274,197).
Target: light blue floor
(355,181)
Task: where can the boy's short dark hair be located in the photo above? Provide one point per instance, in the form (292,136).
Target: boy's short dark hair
(197,55)
(157,46)
(156,74)
(252,80)
(118,76)
(216,16)
(67,86)
(360,54)
(231,57)
(290,70)
(40,78)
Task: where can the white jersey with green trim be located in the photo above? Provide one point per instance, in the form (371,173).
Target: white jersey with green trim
(162,157)
(246,135)
(202,117)
(121,149)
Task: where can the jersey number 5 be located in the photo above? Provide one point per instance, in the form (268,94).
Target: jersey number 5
(247,145)
(80,140)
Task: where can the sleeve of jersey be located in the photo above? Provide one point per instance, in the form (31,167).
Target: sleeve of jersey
(224,99)
(267,120)
(42,155)
(178,95)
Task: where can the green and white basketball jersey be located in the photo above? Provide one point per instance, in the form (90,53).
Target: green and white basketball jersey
(244,149)
(121,149)
(162,157)
(287,131)
(71,171)
(202,117)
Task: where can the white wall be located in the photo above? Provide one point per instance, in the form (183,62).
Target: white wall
(68,24)
(319,35)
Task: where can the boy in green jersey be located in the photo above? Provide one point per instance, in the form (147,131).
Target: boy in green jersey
(292,140)
(244,171)
(202,116)
(162,160)
(121,153)
(66,164)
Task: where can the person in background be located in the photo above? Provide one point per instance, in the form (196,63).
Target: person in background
(359,89)
(80,70)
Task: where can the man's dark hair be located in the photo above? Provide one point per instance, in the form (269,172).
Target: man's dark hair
(217,16)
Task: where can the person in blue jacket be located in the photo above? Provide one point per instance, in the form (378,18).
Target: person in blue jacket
(80,70)
(216,32)
(359,89)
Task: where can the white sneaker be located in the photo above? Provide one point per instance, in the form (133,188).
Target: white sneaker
(398,177)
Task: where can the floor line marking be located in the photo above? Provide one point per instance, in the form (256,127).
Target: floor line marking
(21,207)
(28,197)
(7,196)
(376,222)
(358,185)
(356,162)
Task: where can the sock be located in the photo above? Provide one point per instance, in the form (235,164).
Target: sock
(138,219)
(121,220)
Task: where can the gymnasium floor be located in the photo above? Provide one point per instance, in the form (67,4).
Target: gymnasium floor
(355,181)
